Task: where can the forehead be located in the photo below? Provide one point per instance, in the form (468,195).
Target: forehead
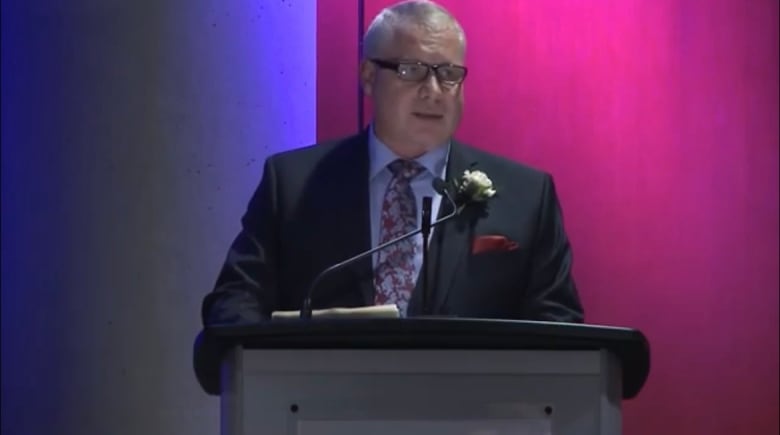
(427,45)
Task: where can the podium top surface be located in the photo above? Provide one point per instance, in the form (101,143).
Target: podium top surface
(629,345)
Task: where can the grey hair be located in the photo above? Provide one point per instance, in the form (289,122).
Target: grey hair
(423,13)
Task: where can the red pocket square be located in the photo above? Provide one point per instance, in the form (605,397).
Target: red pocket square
(492,244)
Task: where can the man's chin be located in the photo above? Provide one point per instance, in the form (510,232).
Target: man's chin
(430,141)
(429,137)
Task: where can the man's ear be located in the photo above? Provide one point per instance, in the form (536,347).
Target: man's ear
(367,77)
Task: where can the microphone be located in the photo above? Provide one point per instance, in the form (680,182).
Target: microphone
(426,232)
(440,186)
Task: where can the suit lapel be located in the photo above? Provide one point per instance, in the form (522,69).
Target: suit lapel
(448,244)
(352,214)
(360,196)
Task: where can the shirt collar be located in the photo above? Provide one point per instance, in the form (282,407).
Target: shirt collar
(380,156)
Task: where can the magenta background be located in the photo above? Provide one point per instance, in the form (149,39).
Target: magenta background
(659,122)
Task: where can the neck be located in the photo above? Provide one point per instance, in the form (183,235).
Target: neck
(402,149)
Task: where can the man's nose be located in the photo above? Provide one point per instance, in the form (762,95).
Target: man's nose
(431,86)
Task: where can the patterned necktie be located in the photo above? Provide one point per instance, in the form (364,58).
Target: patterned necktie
(394,275)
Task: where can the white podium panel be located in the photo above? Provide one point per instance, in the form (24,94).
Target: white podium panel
(425,392)
(429,427)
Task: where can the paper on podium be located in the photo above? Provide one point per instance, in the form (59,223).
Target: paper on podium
(389,311)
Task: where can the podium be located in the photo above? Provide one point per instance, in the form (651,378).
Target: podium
(427,376)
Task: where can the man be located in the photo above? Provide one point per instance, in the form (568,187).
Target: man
(506,256)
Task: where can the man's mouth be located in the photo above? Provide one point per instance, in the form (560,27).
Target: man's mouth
(428,116)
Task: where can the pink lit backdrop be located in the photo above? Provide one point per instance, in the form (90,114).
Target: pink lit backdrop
(659,121)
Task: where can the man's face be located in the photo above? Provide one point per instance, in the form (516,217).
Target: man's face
(415,116)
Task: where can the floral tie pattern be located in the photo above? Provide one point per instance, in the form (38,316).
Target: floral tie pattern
(394,276)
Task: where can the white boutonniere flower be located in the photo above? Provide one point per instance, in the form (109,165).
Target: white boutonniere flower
(475,186)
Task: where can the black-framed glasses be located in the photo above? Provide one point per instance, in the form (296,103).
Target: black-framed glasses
(446,73)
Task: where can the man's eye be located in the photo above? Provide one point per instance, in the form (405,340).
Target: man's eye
(412,70)
(450,74)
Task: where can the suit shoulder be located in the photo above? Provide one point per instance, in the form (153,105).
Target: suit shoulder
(312,152)
(505,166)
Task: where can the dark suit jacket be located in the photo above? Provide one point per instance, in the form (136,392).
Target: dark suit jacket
(310,211)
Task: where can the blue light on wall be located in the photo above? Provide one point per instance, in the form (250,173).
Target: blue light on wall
(133,134)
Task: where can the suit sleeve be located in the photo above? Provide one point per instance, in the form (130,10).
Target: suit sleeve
(245,291)
(552,293)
